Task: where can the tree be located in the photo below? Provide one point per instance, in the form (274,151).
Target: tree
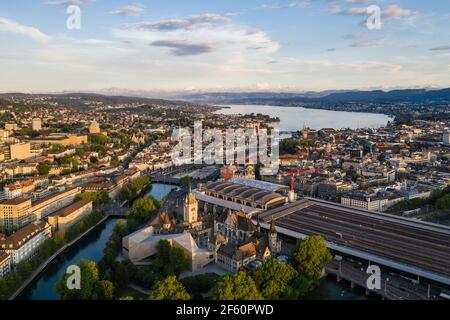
(289,146)
(310,257)
(298,288)
(179,260)
(185,181)
(169,289)
(98,139)
(141,211)
(43,168)
(237,286)
(171,260)
(120,275)
(201,283)
(89,280)
(444,202)
(105,290)
(273,278)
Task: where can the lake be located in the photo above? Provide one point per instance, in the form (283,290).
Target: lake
(294,118)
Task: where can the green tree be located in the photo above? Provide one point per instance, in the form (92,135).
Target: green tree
(310,257)
(169,289)
(105,290)
(237,286)
(43,168)
(201,283)
(120,275)
(273,278)
(141,211)
(171,260)
(299,287)
(98,139)
(186,181)
(89,280)
(444,202)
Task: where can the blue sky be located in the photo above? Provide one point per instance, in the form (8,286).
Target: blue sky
(178,45)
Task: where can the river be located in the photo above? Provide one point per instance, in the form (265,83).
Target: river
(294,118)
(89,248)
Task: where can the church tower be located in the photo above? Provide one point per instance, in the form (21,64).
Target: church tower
(274,243)
(190,211)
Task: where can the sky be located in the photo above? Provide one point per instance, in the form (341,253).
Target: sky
(222,45)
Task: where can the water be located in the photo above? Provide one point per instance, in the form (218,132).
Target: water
(160,190)
(89,248)
(330,289)
(444,220)
(294,118)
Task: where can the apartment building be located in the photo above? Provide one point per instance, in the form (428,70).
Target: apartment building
(15,213)
(25,242)
(68,216)
(5,263)
(20,151)
(54,202)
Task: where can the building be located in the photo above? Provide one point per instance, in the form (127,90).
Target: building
(42,208)
(25,242)
(142,244)
(64,140)
(250,193)
(238,242)
(190,211)
(18,189)
(15,213)
(94,128)
(446,138)
(68,216)
(36,124)
(234,226)
(11,127)
(5,263)
(366,202)
(20,151)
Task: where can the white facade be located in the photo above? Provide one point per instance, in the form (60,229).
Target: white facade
(28,246)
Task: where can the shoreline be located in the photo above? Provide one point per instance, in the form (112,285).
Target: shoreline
(61,250)
(229,106)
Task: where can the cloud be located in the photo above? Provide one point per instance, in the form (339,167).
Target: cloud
(7,25)
(130,10)
(390,12)
(184,48)
(363,44)
(278,6)
(69,2)
(179,24)
(199,34)
(354,35)
(441,48)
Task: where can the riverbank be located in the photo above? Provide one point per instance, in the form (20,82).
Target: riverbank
(42,267)
(90,247)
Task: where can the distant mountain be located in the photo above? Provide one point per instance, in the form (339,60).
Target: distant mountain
(81,99)
(376,96)
(407,95)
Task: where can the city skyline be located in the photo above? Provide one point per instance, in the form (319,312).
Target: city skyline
(225,45)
